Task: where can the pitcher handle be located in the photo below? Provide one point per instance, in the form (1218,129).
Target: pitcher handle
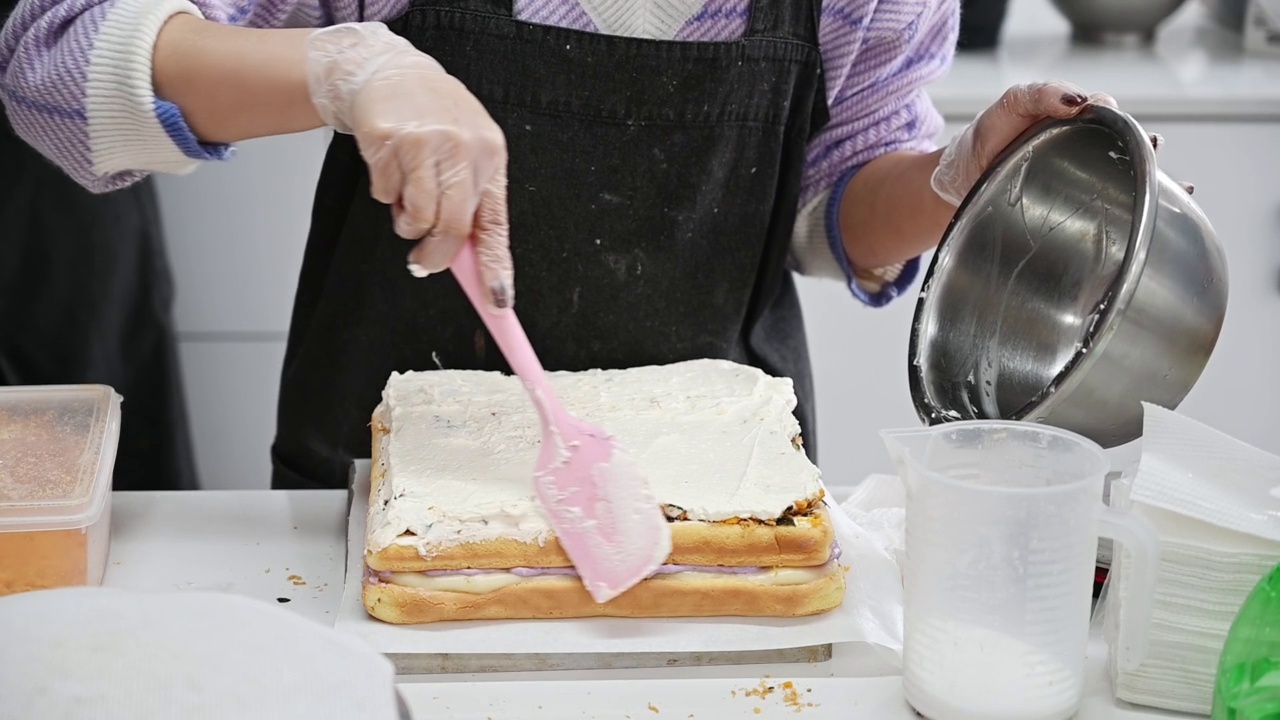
(1140,538)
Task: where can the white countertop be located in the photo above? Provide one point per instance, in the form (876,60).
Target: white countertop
(251,542)
(1195,70)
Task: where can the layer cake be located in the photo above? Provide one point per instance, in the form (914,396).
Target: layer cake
(456,533)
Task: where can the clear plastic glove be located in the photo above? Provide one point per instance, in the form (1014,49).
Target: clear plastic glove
(1021,106)
(434,153)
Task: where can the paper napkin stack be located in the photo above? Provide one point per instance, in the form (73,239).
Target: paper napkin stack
(1215,503)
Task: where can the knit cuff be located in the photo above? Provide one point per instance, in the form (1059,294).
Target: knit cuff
(811,253)
(129,128)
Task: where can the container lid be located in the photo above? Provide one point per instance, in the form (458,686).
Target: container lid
(57,454)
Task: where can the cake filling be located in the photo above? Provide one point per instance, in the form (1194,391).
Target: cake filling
(480,581)
(800,510)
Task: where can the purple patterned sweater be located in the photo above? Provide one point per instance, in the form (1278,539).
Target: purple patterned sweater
(75,79)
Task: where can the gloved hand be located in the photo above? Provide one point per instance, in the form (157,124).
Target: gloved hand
(434,154)
(1021,106)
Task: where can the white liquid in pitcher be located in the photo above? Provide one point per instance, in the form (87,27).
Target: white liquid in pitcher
(965,672)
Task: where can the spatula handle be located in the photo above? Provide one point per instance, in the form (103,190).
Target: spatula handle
(503,325)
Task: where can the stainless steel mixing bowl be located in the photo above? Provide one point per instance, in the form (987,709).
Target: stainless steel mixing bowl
(1111,21)
(1075,281)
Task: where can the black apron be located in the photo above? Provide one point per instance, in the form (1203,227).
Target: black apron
(86,297)
(653,193)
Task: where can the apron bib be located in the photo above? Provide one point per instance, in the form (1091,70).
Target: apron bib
(653,193)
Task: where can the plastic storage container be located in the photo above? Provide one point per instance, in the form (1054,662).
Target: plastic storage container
(57,456)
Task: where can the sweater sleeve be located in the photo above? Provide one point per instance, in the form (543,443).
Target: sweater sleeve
(878,57)
(75,80)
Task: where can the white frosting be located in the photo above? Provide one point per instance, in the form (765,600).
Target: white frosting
(712,437)
(490,582)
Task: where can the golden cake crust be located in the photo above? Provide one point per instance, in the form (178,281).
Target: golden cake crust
(675,595)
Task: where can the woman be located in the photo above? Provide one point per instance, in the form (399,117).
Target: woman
(668,162)
(86,296)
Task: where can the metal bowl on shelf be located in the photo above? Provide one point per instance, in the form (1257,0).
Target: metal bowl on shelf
(1116,21)
(1076,281)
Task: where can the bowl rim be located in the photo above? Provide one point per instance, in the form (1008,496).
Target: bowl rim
(1117,297)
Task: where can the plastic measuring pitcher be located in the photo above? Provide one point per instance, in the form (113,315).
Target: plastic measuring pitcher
(1002,528)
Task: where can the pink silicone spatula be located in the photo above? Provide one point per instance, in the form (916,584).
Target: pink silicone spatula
(600,506)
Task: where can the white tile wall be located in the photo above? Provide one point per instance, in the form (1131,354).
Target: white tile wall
(1236,170)
(859,359)
(231,391)
(236,233)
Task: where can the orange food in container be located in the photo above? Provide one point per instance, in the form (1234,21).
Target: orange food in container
(57,456)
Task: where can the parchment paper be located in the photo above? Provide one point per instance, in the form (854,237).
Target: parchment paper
(852,622)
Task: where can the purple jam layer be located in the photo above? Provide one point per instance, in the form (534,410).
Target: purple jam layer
(383,576)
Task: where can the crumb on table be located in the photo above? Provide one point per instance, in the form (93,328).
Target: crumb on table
(792,697)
